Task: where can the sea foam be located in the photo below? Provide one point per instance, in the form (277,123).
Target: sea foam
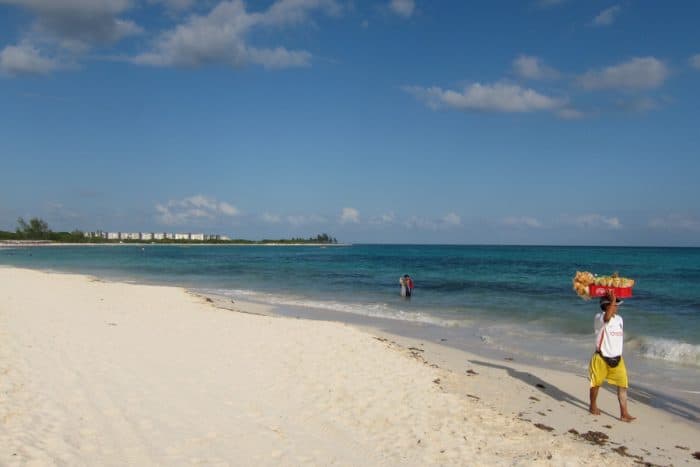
(374,310)
(667,349)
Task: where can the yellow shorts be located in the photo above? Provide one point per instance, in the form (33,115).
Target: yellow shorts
(599,371)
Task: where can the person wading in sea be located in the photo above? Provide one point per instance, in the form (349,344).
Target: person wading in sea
(607,362)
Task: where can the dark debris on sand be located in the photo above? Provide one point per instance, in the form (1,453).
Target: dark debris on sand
(696,455)
(622,450)
(544,427)
(595,437)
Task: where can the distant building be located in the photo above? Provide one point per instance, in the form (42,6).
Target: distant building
(148,236)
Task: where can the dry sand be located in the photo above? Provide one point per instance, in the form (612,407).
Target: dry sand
(100,373)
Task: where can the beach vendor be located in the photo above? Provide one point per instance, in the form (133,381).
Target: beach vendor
(607,362)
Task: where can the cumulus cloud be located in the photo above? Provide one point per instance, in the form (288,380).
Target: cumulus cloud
(221,36)
(498,97)
(193,209)
(80,24)
(24,59)
(607,16)
(695,61)
(529,67)
(402,8)
(350,215)
(676,222)
(637,73)
(522,221)
(596,221)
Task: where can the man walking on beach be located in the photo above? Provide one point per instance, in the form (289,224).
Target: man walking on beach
(607,362)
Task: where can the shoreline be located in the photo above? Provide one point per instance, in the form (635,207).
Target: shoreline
(372,375)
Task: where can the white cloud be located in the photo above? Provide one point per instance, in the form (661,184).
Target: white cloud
(676,222)
(350,215)
(695,61)
(384,219)
(192,209)
(527,66)
(402,7)
(596,221)
(221,36)
(523,221)
(637,73)
(228,209)
(451,219)
(271,218)
(24,59)
(498,97)
(607,16)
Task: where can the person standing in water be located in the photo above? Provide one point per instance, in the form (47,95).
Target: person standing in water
(406,285)
(607,362)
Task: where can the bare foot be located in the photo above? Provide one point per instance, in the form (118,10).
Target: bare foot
(627,418)
(594,410)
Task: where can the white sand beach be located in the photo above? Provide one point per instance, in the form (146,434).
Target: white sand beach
(102,373)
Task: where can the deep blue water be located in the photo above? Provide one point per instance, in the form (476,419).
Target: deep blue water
(455,285)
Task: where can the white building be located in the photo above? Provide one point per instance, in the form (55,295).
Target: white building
(113,236)
(146,236)
(182,236)
(197,236)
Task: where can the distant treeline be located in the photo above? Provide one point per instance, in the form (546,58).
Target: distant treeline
(38,229)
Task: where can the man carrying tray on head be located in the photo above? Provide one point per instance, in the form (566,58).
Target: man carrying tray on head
(607,362)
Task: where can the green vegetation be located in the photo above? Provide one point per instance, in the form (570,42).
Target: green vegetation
(38,229)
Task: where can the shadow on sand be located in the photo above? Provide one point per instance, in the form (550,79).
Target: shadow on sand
(642,395)
(538,383)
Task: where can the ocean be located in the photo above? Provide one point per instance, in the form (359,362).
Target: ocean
(499,299)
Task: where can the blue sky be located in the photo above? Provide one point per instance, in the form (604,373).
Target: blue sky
(526,122)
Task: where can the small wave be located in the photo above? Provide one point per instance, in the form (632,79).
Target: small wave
(373,310)
(668,349)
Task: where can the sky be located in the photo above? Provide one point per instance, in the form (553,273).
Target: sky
(555,122)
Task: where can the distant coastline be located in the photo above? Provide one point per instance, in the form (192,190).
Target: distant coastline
(44,243)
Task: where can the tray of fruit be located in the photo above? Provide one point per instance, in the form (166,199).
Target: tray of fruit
(588,285)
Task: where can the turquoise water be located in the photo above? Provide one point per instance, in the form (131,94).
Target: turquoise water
(457,287)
